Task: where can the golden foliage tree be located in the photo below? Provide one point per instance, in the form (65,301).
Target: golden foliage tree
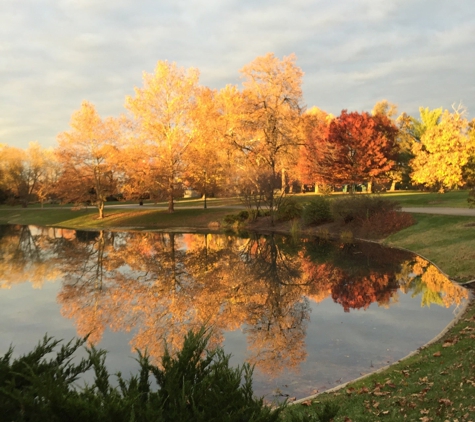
(28,174)
(443,151)
(163,110)
(87,156)
(270,119)
(209,159)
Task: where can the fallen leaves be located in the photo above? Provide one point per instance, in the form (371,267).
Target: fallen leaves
(446,402)
(438,385)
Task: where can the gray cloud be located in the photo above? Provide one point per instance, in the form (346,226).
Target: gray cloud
(56,53)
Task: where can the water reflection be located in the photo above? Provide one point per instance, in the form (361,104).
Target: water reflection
(159,285)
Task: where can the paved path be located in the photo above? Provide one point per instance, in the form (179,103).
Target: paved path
(441,210)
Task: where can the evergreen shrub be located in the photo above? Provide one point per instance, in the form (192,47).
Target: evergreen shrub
(288,209)
(195,385)
(240,217)
(317,211)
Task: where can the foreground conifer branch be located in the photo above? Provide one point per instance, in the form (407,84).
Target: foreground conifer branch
(195,385)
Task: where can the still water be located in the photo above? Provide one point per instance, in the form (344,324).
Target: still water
(309,314)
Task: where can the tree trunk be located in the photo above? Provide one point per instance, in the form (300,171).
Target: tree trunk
(100,207)
(370,186)
(171,205)
(393,186)
(272,199)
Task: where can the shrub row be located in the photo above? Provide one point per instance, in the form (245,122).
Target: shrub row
(366,215)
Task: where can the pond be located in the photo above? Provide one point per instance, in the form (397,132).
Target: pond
(308,313)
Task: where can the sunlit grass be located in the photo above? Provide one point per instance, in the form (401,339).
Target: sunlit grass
(456,199)
(140,218)
(448,241)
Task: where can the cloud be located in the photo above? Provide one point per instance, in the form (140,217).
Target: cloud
(56,53)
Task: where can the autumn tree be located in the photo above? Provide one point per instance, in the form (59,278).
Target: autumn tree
(403,144)
(27,174)
(428,119)
(385,108)
(355,148)
(272,99)
(163,112)
(314,126)
(442,153)
(86,154)
(209,159)
(12,172)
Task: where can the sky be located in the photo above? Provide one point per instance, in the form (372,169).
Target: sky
(56,53)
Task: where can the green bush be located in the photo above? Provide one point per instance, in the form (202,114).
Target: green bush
(358,208)
(288,209)
(196,385)
(240,217)
(317,211)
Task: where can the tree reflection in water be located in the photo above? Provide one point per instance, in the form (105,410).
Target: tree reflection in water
(159,285)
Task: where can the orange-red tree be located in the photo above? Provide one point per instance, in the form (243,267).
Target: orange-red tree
(355,148)
(314,127)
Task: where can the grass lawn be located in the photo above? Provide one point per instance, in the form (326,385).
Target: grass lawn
(453,199)
(448,241)
(151,219)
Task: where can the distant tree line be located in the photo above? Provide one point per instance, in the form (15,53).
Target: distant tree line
(257,142)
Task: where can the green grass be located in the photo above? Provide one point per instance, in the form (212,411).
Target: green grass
(455,199)
(436,384)
(448,241)
(114,218)
(42,217)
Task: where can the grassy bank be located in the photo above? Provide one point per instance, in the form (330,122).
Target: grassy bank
(448,241)
(454,199)
(86,218)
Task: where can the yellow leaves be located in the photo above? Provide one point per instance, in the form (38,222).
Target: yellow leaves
(443,150)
